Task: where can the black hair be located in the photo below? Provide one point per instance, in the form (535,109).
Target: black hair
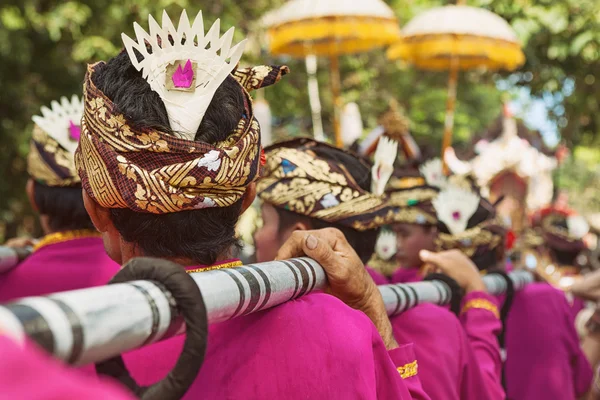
(63,206)
(362,242)
(198,235)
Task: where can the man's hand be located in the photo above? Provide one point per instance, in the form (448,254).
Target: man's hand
(20,242)
(588,288)
(457,266)
(348,280)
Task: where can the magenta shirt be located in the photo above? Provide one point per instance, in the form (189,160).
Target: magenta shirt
(26,373)
(544,358)
(458,359)
(69,265)
(314,347)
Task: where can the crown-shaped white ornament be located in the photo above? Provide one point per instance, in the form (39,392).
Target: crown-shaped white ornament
(454,207)
(383,167)
(433,172)
(577,226)
(62,122)
(184,66)
(386,246)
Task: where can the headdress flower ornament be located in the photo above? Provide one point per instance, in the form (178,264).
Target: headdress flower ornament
(147,170)
(433,172)
(455,208)
(54,141)
(183,65)
(298,179)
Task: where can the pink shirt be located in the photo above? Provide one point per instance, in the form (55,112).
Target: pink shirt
(67,265)
(544,359)
(28,374)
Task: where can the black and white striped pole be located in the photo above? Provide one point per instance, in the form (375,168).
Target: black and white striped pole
(90,325)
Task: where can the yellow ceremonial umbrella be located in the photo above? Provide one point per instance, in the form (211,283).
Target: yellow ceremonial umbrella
(331,28)
(458,37)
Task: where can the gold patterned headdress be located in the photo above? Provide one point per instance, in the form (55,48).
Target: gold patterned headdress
(297,179)
(147,170)
(53,143)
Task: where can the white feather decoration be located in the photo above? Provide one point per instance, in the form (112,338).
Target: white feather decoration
(578,226)
(212,55)
(454,207)
(433,173)
(386,246)
(62,122)
(385,155)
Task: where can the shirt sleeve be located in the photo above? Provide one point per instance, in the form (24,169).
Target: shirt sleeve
(480,319)
(406,364)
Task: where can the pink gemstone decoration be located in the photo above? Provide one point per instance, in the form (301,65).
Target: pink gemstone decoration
(456,215)
(183,77)
(74,132)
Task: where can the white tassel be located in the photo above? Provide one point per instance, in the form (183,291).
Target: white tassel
(433,173)
(385,156)
(386,246)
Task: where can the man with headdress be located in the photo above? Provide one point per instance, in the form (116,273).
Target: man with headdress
(169,155)
(539,329)
(310,185)
(70,255)
(414,229)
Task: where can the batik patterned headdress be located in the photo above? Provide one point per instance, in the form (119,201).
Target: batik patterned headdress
(53,143)
(295,178)
(147,170)
(467,222)
(410,193)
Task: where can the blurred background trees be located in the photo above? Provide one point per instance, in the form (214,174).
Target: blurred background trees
(45,45)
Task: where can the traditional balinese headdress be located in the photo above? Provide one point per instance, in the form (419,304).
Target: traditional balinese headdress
(54,141)
(147,170)
(298,178)
(411,195)
(562,229)
(468,223)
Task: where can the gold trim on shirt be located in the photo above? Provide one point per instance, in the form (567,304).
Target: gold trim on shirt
(231,264)
(59,237)
(408,370)
(481,304)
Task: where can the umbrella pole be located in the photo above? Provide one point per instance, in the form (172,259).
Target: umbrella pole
(450,106)
(334,69)
(313,97)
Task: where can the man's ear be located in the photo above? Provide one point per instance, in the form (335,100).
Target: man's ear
(301,226)
(99,215)
(248,197)
(30,190)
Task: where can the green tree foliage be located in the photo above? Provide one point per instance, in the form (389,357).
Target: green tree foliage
(45,45)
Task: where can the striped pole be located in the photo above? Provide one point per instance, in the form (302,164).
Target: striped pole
(11,257)
(401,297)
(94,324)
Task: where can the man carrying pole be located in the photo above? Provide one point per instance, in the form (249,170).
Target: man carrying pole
(168,157)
